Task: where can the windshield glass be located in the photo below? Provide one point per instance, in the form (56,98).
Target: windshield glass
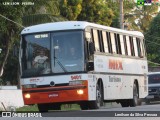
(49,53)
(155,78)
(36,54)
(68,55)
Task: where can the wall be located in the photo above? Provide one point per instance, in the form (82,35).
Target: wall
(10,96)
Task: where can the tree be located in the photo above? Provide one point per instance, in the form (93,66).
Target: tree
(70,9)
(152,38)
(142,17)
(96,11)
(9,31)
(128,6)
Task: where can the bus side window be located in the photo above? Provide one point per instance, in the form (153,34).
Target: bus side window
(122,45)
(128,46)
(139,47)
(96,41)
(100,38)
(118,44)
(135,46)
(105,43)
(131,45)
(125,45)
(142,47)
(109,42)
(113,43)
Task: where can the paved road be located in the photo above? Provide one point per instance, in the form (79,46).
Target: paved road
(114,110)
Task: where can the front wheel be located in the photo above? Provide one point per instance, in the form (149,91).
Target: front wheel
(99,99)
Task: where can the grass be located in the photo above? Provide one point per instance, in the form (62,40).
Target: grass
(35,108)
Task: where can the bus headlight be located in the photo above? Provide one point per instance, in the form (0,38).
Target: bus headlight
(29,86)
(80,92)
(27,96)
(77,82)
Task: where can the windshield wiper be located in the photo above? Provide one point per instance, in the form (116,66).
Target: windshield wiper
(59,63)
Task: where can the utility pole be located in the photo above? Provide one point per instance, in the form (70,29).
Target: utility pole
(121,15)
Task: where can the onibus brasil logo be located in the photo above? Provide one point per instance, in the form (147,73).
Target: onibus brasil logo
(147,2)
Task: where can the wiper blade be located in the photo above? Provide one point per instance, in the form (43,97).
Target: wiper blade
(60,64)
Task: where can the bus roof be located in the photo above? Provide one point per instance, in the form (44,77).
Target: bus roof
(73,25)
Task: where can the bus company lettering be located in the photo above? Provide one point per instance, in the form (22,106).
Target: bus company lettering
(76,77)
(34,80)
(115,64)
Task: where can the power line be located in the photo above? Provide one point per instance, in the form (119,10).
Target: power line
(12,21)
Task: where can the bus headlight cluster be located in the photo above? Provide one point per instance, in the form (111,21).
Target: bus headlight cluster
(80,92)
(29,86)
(27,96)
(77,82)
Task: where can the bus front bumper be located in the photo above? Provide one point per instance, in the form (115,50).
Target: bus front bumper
(55,94)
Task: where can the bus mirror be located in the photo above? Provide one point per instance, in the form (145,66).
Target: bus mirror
(91,48)
(90,66)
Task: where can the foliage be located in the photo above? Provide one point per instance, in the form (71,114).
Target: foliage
(9,31)
(128,6)
(152,38)
(96,11)
(135,17)
(70,8)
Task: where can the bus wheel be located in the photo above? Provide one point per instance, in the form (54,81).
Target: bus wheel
(139,102)
(43,107)
(134,101)
(125,103)
(99,99)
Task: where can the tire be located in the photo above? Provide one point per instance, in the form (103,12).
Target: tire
(139,102)
(99,99)
(134,101)
(43,107)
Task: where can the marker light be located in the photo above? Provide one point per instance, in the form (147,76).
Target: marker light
(27,96)
(80,92)
(77,82)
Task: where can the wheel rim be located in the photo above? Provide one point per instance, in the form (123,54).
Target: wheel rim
(135,96)
(99,97)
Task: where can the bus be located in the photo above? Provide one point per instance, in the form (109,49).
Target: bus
(85,63)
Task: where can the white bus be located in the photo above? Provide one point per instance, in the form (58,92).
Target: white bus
(84,63)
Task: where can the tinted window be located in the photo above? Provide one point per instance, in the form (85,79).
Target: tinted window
(154,78)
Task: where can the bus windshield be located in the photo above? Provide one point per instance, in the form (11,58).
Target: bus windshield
(55,52)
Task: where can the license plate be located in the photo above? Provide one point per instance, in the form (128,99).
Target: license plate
(150,96)
(53,95)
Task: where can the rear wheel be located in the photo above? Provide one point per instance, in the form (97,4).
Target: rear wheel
(134,101)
